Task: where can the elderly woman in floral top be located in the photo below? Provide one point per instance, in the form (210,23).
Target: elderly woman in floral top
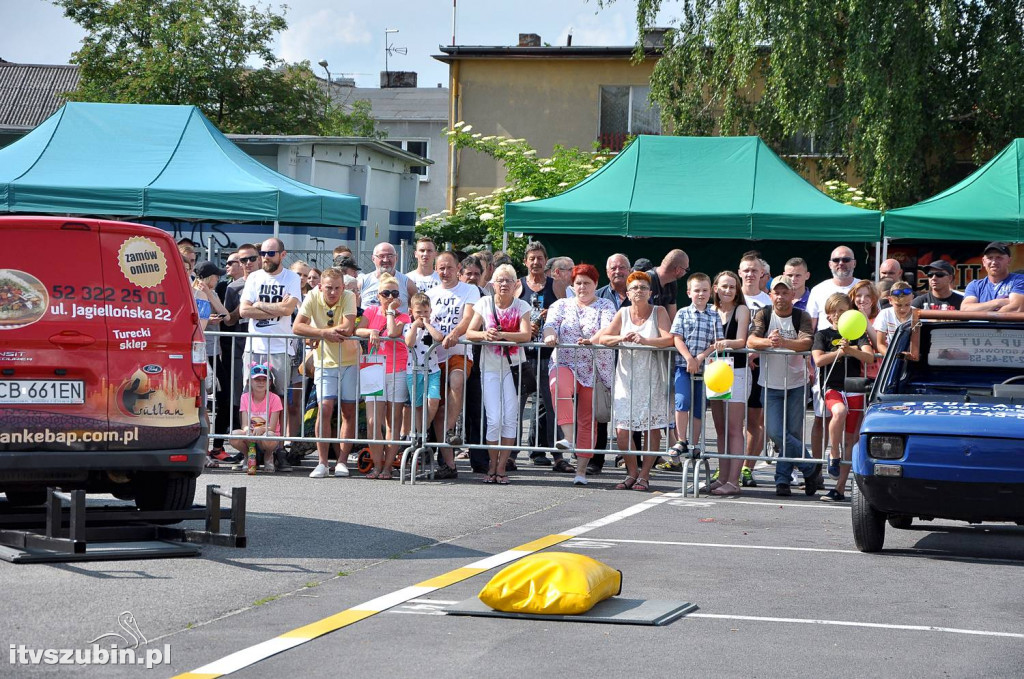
(575,320)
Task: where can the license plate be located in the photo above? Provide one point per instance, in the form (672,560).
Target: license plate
(36,392)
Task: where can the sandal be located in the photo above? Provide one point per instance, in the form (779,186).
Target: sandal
(726,489)
(491,478)
(372,474)
(384,476)
(563,467)
(501,480)
(627,484)
(643,485)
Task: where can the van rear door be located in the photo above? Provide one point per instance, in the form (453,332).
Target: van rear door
(53,347)
(152,323)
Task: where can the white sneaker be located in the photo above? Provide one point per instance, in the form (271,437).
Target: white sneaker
(579,481)
(563,444)
(341,469)
(319,473)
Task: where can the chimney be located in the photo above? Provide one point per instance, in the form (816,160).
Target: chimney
(654,38)
(568,41)
(397,79)
(529,40)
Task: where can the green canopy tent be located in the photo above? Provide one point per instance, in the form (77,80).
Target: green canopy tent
(705,187)
(986,206)
(135,160)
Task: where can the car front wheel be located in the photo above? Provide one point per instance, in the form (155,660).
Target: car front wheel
(868,523)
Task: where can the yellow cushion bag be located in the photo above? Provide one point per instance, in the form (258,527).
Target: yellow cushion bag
(552,583)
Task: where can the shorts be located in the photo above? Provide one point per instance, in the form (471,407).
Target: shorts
(854,405)
(819,403)
(396,389)
(756,397)
(283,373)
(740,386)
(327,383)
(433,387)
(457,362)
(682,386)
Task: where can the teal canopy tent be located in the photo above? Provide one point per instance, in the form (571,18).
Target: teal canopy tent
(134,160)
(985,206)
(696,187)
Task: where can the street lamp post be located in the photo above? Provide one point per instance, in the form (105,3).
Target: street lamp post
(323,64)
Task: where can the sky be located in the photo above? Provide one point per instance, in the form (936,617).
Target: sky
(350,35)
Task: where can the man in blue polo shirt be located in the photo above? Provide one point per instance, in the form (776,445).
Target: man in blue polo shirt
(1000,290)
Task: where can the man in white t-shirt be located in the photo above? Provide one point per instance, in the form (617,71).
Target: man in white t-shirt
(269,298)
(751,274)
(451,310)
(424,275)
(841,264)
(384,259)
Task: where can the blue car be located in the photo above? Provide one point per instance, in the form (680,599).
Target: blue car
(943,431)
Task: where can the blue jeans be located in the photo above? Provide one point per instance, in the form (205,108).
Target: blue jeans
(786,434)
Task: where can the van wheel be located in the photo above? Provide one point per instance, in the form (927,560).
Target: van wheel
(163,492)
(27,497)
(868,523)
(900,521)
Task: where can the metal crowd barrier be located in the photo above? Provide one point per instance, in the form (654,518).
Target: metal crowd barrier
(412,435)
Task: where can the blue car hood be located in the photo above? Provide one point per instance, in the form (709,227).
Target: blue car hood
(949,418)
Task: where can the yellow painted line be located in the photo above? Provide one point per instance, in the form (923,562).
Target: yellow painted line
(296,637)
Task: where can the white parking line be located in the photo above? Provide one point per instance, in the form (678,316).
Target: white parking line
(578,541)
(850,623)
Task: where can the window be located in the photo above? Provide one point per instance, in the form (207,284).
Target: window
(626,110)
(825,141)
(419,147)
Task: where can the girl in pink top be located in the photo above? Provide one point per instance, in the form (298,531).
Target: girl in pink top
(260,411)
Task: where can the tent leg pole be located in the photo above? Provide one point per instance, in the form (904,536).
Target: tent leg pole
(878,258)
(277,230)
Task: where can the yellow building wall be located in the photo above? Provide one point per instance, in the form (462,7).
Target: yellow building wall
(546,102)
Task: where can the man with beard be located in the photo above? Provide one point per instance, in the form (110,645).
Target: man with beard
(384,259)
(269,298)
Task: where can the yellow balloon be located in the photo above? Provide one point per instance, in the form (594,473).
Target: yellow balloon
(852,325)
(718,376)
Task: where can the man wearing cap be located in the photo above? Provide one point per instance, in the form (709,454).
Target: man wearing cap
(384,259)
(940,296)
(781,326)
(1000,290)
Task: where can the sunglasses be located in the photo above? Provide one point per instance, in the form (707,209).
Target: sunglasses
(842,260)
(330,317)
(269,253)
(233,261)
(937,274)
(901,293)
(248,260)
(638,288)
(389,293)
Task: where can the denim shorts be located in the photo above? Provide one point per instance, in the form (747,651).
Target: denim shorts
(433,387)
(327,383)
(682,385)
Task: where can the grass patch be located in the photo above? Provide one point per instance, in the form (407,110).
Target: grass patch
(267,600)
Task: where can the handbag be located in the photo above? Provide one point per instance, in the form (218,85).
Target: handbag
(371,375)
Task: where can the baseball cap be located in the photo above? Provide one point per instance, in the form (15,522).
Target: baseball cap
(209,269)
(999,245)
(259,370)
(785,281)
(346,262)
(940,265)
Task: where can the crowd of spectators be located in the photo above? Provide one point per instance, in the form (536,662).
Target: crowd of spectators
(599,362)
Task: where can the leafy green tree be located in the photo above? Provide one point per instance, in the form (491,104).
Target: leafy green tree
(898,87)
(197,52)
(477,221)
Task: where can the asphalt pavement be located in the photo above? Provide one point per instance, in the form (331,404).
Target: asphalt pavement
(779,585)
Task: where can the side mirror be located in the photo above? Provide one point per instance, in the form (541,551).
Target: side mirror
(857,385)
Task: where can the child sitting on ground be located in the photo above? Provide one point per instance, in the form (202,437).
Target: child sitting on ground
(260,412)
(837,359)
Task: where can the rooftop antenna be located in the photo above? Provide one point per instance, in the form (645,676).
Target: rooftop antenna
(388,51)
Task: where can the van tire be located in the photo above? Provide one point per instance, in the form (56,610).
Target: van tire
(868,523)
(163,492)
(27,497)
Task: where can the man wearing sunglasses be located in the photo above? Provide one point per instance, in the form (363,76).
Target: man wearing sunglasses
(940,296)
(269,298)
(1000,290)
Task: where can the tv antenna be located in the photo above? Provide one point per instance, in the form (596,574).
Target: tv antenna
(390,50)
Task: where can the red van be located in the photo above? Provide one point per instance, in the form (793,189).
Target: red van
(102,363)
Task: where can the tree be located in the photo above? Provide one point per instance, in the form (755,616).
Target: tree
(895,86)
(477,221)
(197,52)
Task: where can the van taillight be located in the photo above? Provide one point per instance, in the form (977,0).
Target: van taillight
(199,353)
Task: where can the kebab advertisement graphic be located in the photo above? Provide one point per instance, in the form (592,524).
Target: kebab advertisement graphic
(149,391)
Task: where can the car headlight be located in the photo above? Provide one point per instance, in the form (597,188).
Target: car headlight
(885,447)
